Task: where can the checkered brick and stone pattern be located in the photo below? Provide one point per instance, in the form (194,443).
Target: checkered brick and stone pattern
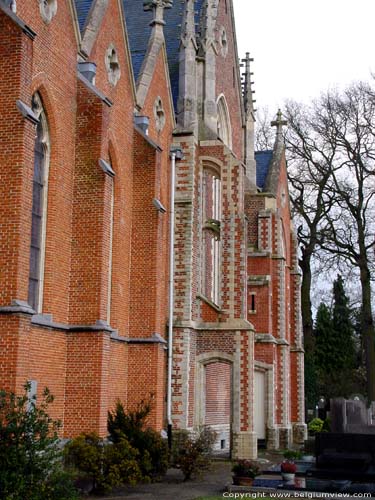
(101,332)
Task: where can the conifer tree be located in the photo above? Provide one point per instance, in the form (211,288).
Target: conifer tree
(325,356)
(343,326)
(335,353)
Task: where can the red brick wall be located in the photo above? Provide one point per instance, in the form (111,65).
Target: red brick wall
(16,162)
(218,393)
(54,61)
(86,371)
(146,379)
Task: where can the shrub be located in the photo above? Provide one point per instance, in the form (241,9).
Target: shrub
(315,426)
(153,450)
(30,459)
(326,425)
(191,452)
(106,464)
(292,454)
(288,467)
(246,468)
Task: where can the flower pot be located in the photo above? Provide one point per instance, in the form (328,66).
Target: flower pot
(288,477)
(242,481)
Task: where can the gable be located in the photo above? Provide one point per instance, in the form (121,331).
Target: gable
(137,21)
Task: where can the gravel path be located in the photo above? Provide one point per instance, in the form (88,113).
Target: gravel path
(174,488)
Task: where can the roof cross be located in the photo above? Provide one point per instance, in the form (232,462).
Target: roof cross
(157,6)
(279,123)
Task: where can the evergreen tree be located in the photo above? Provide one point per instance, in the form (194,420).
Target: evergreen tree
(325,356)
(335,353)
(343,326)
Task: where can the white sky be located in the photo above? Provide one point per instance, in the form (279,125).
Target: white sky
(302,47)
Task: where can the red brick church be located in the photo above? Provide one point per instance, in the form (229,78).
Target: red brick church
(125,132)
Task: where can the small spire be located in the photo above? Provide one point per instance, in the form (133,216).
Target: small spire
(157,6)
(247,91)
(188,22)
(279,123)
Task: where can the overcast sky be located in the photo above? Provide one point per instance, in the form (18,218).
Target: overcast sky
(302,47)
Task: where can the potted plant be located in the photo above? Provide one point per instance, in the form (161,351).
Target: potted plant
(292,455)
(288,470)
(244,472)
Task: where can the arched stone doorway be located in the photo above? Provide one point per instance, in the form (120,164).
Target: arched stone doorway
(214,397)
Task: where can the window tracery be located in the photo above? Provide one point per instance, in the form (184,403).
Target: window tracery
(48,9)
(211,261)
(39,206)
(112,65)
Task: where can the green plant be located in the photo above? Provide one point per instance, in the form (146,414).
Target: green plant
(292,454)
(246,468)
(191,451)
(326,425)
(315,426)
(153,450)
(30,459)
(106,464)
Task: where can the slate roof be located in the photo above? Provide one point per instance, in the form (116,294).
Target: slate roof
(83,8)
(263,162)
(137,23)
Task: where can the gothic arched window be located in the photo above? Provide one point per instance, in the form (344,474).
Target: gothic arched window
(224,129)
(211,235)
(39,207)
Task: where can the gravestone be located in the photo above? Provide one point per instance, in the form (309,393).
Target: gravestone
(352,416)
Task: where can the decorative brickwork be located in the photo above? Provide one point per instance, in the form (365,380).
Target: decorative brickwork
(97,331)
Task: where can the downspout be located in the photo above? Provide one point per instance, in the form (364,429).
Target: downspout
(175,154)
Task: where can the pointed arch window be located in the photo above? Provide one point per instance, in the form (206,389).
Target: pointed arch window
(224,129)
(211,261)
(39,207)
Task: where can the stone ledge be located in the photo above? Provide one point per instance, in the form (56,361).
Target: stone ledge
(17,306)
(46,320)
(209,302)
(232,325)
(265,338)
(94,90)
(156,338)
(26,29)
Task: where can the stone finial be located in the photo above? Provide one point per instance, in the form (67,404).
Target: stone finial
(157,6)
(279,123)
(247,90)
(188,23)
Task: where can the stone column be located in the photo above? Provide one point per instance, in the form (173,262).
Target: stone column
(244,437)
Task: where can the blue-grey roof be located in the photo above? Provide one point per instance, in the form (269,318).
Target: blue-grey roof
(137,22)
(263,162)
(83,8)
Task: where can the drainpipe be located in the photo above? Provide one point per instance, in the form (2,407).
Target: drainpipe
(175,154)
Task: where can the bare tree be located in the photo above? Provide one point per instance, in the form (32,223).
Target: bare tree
(309,170)
(264,133)
(331,155)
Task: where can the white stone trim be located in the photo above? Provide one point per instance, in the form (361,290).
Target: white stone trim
(40,112)
(200,382)
(48,10)
(224,127)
